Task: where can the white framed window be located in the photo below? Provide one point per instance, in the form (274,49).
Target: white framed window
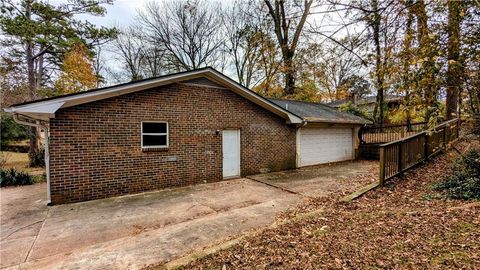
(154,134)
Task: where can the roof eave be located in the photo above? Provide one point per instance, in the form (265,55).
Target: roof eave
(325,121)
(37,112)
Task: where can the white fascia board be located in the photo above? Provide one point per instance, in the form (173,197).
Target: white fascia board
(292,119)
(346,122)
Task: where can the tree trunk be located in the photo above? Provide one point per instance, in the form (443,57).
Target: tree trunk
(31,83)
(407,44)
(288,48)
(454,65)
(378,114)
(428,71)
(289,74)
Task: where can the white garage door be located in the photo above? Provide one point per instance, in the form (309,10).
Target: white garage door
(324,145)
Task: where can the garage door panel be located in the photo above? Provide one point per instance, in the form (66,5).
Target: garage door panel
(324,145)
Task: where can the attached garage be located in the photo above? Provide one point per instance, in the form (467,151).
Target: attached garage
(324,145)
(327,135)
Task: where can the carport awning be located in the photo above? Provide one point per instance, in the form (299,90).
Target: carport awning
(41,112)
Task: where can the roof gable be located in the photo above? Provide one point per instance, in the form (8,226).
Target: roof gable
(203,82)
(45,109)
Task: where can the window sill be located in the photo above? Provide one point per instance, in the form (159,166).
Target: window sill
(165,149)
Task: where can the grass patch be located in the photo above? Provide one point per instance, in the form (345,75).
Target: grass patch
(19,161)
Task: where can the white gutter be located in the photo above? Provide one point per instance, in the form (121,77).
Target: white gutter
(47,152)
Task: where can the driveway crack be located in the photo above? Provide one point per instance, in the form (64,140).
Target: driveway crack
(279,187)
(19,229)
(36,236)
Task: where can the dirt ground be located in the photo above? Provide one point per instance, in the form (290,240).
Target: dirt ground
(132,232)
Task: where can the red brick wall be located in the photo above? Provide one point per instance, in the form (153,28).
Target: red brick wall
(95,148)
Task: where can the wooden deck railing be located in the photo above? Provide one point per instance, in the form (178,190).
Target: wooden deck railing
(389,133)
(400,155)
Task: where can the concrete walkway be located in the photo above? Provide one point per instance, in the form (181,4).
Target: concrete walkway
(131,232)
(22,213)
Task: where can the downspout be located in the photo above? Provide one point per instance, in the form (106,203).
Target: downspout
(297,144)
(47,152)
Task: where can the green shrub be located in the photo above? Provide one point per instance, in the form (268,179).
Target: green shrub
(464,181)
(11,131)
(12,177)
(37,158)
(39,178)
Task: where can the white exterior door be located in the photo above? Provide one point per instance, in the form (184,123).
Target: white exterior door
(231,153)
(324,145)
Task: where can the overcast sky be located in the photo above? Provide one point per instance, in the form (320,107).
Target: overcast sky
(122,12)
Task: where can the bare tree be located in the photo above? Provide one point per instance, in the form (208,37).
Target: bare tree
(139,58)
(269,65)
(128,50)
(330,66)
(381,25)
(99,66)
(243,42)
(154,58)
(188,30)
(283,23)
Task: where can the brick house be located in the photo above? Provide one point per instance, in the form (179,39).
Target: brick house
(176,130)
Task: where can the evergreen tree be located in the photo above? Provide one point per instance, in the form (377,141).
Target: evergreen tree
(42,33)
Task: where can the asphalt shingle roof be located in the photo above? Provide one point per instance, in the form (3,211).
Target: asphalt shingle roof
(317,112)
(366,100)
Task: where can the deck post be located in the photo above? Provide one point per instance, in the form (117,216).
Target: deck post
(382,166)
(458,127)
(445,137)
(426,145)
(400,156)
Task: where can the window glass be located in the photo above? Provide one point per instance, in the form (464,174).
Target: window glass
(154,135)
(154,127)
(152,140)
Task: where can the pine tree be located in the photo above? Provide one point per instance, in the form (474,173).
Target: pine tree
(43,33)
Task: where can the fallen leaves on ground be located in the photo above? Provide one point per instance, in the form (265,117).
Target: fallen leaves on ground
(402,225)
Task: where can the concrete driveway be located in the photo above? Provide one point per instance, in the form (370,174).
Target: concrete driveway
(131,232)
(322,180)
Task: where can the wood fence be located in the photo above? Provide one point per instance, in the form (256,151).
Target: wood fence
(389,133)
(400,155)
